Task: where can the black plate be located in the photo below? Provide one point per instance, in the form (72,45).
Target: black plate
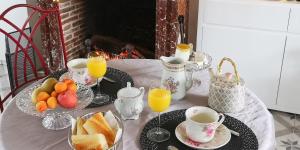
(107,87)
(246,141)
(111,89)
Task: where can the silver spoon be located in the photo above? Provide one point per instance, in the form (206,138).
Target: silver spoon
(109,79)
(234,132)
(171,147)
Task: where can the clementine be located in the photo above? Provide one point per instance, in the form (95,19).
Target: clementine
(72,87)
(52,102)
(41,106)
(68,81)
(54,94)
(60,87)
(42,96)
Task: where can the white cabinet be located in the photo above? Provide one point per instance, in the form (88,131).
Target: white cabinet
(263,37)
(258,55)
(294,22)
(289,89)
(246,14)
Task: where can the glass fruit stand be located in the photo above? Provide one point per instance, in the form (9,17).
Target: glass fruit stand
(58,118)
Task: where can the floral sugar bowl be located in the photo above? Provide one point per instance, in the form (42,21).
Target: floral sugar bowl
(129,103)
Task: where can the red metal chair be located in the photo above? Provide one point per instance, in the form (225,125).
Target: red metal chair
(20,78)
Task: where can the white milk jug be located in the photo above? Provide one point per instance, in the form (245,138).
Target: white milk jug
(175,76)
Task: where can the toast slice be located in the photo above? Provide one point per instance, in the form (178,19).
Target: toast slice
(89,142)
(97,124)
(79,124)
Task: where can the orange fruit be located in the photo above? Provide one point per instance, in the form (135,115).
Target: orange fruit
(68,81)
(41,106)
(72,87)
(60,87)
(42,96)
(52,102)
(54,94)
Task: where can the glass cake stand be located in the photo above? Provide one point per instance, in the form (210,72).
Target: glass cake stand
(196,66)
(55,119)
(193,66)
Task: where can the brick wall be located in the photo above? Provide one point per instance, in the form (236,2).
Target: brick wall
(73,23)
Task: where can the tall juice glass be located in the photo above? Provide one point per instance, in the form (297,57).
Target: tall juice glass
(159,100)
(96,66)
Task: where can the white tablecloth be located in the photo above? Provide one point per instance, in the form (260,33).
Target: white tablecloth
(22,131)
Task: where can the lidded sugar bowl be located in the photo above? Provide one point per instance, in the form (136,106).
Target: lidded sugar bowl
(129,103)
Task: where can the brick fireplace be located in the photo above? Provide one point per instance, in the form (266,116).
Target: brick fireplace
(77,29)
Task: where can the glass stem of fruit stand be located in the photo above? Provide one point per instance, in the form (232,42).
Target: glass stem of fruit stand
(98,87)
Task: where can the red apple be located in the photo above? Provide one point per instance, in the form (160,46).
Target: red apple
(67,99)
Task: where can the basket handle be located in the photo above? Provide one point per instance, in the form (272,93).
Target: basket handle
(234,67)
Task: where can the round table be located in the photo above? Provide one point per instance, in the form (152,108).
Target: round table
(21,131)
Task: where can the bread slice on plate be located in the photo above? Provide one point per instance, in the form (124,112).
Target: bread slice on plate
(79,126)
(97,124)
(89,142)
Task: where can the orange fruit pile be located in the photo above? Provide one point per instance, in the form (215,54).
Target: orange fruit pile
(44,100)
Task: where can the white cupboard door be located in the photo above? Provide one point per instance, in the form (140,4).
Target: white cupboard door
(258,55)
(289,89)
(294,24)
(247,14)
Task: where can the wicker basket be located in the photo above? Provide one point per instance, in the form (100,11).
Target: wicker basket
(225,94)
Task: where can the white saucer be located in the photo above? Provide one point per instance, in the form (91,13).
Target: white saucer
(92,83)
(222,137)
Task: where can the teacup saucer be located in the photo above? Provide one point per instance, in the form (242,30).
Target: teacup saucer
(222,137)
(90,83)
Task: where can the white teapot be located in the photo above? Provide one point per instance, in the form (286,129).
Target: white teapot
(176,76)
(130,102)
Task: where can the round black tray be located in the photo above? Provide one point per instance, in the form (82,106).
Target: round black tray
(246,141)
(111,89)
(107,87)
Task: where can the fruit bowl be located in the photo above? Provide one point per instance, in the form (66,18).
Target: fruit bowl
(58,118)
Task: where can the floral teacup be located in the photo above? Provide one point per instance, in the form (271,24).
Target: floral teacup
(202,123)
(78,70)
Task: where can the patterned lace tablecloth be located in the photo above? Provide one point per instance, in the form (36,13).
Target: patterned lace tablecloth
(22,131)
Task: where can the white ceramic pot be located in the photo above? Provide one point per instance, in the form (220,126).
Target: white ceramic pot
(129,103)
(175,76)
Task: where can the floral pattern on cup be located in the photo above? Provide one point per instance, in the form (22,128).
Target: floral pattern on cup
(209,130)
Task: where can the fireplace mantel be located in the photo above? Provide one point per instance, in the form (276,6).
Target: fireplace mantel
(73,14)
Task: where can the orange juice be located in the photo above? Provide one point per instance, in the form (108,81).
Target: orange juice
(96,66)
(183,47)
(183,51)
(159,99)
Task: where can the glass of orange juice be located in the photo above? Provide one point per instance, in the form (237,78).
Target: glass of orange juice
(96,65)
(159,99)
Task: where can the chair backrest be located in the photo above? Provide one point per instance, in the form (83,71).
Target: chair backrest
(26,59)
(10,55)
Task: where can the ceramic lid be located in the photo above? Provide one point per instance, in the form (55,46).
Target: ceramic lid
(129,91)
